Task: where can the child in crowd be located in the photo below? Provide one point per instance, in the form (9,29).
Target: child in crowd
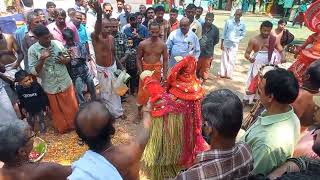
(33,100)
(131,66)
(78,69)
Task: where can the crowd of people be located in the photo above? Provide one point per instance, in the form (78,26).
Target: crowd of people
(64,64)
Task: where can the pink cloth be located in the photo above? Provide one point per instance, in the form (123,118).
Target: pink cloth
(57,34)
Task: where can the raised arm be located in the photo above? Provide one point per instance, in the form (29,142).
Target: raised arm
(128,160)
(139,57)
(98,25)
(143,137)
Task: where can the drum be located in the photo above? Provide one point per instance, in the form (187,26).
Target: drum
(258,108)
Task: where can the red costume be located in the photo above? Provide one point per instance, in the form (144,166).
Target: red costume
(176,132)
(309,55)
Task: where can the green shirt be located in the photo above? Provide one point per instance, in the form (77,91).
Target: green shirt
(54,76)
(272,140)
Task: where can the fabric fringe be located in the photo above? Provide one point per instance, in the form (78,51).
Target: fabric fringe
(163,152)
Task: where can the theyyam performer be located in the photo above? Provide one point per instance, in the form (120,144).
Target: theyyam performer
(310,50)
(176,120)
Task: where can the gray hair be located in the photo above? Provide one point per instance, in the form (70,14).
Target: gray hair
(12,137)
(222,109)
(30,16)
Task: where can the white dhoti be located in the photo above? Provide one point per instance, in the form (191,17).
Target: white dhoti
(228,60)
(108,96)
(10,72)
(261,58)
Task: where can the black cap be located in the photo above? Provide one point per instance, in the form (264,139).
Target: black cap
(20,75)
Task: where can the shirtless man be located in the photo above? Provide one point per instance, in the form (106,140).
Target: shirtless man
(266,50)
(8,48)
(284,37)
(306,109)
(149,56)
(164,24)
(102,41)
(103,160)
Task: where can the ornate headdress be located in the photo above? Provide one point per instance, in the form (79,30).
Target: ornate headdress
(183,82)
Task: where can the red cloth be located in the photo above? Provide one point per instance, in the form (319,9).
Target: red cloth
(183,82)
(184,97)
(144,95)
(300,65)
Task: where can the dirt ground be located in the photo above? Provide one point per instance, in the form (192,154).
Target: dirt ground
(64,149)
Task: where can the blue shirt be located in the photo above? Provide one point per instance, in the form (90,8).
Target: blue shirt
(20,33)
(233,33)
(122,19)
(93,166)
(181,45)
(82,31)
(201,20)
(143,33)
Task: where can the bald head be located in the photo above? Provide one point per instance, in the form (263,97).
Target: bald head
(94,125)
(106,27)
(184,25)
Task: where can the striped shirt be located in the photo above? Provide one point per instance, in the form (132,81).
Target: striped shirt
(236,163)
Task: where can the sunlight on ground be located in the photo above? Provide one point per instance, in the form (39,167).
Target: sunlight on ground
(64,148)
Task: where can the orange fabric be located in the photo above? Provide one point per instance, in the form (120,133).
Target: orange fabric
(143,95)
(64,107)
(203,67)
